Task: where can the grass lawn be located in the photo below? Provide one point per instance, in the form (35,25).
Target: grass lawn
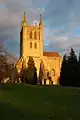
(25,102)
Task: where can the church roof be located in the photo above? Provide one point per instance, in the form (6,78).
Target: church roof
(51,54)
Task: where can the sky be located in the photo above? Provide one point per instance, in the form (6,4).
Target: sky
(61,19)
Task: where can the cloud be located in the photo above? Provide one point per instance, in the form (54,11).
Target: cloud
(60,42)
(54,41)
(61,17)
(11,14)
(76,43)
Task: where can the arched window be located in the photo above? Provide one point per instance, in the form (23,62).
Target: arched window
(30,34)
(30,44)
(35,35)
(46,71)
(48,74)
(39,35)
(35,45)
(53,72)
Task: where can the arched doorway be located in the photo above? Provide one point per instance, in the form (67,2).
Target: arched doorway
(49,77)
(53,72)
(53,75)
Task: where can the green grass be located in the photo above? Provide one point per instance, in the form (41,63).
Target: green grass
(24,102)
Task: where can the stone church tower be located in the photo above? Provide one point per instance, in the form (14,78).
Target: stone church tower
(31,40)
(31,44)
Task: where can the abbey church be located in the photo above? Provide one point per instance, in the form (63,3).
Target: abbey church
(31,44)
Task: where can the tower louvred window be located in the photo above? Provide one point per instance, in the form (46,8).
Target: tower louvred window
(39,35)
(30,44)
(35,45)
(30,34)
(35,35)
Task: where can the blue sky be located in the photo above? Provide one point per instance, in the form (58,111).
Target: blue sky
(61,20)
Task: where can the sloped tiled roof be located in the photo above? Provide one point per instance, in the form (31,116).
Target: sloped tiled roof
(51,54)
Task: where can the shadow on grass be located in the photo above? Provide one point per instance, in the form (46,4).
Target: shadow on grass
(25,102)
(11,112)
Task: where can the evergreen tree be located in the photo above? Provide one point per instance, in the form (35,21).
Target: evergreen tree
(72,56)
(31,72)
(23,72)
(63,73)
(79,57)
(78,71)
(72,63)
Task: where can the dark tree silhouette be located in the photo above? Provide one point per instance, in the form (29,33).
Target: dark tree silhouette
(63,73)
(69,70)
(72,63)
(78,71)
(23,72)
(6,62)
(15,75)
(31,72)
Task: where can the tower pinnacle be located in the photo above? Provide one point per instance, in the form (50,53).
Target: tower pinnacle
(24,18)
(24,21)
(41,22)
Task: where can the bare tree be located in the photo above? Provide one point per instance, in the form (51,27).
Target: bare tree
(6,61)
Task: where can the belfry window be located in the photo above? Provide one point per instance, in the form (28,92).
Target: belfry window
(30,44)
(30,34)
(35,35)
(35,45)
(39,35)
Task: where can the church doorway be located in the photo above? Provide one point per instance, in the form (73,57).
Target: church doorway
(49,77)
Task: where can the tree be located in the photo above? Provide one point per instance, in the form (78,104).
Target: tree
(23,72)
(64,70)
(69,71)
(2,66)
(3,50)
(72,56)
(78,71)
(72,61)
(31,72)
(79,57)
(15,75)
(5,63)
(42,72)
